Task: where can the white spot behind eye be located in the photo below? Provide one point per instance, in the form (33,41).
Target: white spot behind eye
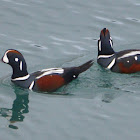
(111,43)
(136,58)
(21,65)
(128,61)
(99,45)
(16,59)
(74,76)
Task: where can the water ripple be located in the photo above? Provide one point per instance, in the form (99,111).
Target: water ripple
(65,40)
(109,20)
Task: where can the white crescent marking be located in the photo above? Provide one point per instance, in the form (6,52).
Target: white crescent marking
(5,58)
(31,85)
(111,64)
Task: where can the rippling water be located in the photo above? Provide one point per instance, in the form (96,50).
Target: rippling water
(99,104)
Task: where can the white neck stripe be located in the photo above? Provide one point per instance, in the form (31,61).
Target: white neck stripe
(105,56)
(21,78)
(129,54)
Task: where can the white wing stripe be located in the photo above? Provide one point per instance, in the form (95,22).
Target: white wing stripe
(129,54)
(50,71)
(45,70)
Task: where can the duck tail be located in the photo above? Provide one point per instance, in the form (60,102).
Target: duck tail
(85,66)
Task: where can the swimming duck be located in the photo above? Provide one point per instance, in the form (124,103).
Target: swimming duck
(43,80)
(126,61)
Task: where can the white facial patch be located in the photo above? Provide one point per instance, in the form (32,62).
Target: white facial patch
(5,58)
(99,45)
(21,65)
(16,59)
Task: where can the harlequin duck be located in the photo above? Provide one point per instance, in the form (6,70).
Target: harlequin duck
(44,80)
(127,61)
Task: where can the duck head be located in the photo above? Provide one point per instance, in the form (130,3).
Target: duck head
(105,43)
(16,60)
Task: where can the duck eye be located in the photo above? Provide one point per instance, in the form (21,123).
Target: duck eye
(16,59)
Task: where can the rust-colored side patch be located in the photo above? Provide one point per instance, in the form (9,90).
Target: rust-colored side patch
(132,69)
(50,83)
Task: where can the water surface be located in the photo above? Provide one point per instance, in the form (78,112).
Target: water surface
(99,104)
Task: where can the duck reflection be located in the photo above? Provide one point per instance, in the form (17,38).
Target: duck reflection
(19,108)
(106,83)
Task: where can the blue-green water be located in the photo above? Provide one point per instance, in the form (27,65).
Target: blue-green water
(50,33)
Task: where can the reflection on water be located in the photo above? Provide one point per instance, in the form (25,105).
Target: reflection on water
(108,85)
(19,108)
